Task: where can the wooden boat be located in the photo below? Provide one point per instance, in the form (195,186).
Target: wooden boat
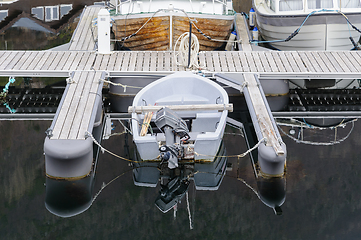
(326,27)
(157,25)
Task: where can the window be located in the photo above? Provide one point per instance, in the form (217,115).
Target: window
(51,13)
(351,4)
(319,4)
(38,12)
(290,5)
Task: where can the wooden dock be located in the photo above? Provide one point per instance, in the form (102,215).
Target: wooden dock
(294,64)
(86,69)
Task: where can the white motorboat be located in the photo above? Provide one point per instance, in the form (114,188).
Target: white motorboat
(312,24)
(191,117)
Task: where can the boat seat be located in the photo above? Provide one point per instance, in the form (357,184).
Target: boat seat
(206,122)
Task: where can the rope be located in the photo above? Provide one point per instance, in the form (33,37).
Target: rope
(239,155)
(119,84)
(183,51)
(189,212)
(320,143)
(105,150)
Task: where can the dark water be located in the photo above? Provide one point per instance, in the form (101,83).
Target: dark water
(323,197)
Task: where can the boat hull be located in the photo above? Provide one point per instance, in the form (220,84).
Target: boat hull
(326,31)
(183,88)
(161,32)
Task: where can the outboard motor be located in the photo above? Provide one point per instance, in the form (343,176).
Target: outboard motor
(173,126)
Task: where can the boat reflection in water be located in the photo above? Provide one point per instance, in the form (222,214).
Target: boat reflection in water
(174,183)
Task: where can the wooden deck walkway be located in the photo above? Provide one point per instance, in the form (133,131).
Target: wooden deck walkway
(269,62)
(75,112)
(85,35)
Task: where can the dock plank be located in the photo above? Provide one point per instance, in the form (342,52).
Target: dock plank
(242,56)
(216,63)
(320,62)
(49,60)
(111,63)
(257,60)
(277,59)
(70,61)
(74,105)
(349,58)
(167,61)
(153,61)
(299,61)
(209,61)
(270,60)
(8,59)
(333,62)
(250,61)
(306,62)
(146,61)
(15,60)
(22,61)
(56,61)
(83,61)
(126,60)
(343,65)
(237,61)
(313,62)
(285,61)
(264,61)
(328,61)
(89,105)
(223,61)
(230,62)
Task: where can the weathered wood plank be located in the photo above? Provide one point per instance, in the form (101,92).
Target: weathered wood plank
(349,58)
(341,62)
(306,61)
(63,60)
(60,121)
(98,61)
(42,61)
(167,61)
(126,60)
(105,61)
(299,62)
(4,57)
(70,61)
(146,61)
(277,59)
(111,63)
(242,56)
(73,107)
(83,61)
(320,62)
(217,65)
(264,61)
(223,61)
(8,60)
(313,61)
(153,61)
(118,61)
(250,61)
(285,61)
(257,61)
(80,108)
(90,62)
(236,61)
(335,66)
(230,62)
(263,117)
(56,60)
(326,61)
(49,61)
(22,61)
(202,60)
(14,61)
(133,60)
(209,61)
(76,61)
(90,104)
(271,61)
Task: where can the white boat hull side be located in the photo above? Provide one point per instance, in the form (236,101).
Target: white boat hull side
(320,32)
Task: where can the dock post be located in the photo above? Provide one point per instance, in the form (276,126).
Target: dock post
(103,32)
